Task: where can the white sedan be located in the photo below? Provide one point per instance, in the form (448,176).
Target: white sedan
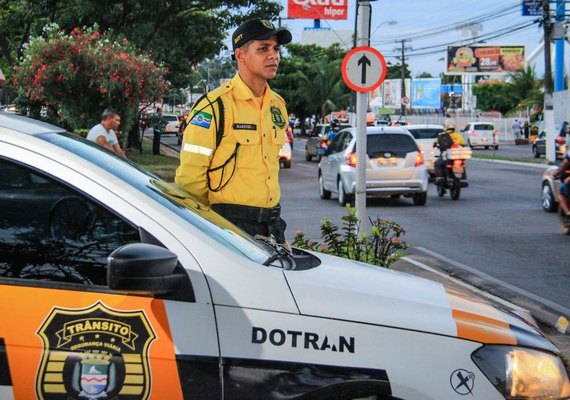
(117,285)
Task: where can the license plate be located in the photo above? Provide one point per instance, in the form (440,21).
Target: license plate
(387,162)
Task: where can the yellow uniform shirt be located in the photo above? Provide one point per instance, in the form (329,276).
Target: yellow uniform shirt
(456,137)
(251,177)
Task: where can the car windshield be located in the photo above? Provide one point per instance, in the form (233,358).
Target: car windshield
(379,144)
(169,195)
(425,133)
(484,127)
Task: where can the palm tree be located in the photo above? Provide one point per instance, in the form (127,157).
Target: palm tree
(527,89)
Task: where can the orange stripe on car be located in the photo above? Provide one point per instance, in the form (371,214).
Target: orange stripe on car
(477,320)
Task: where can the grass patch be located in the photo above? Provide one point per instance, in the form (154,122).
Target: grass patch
(161,165)
(505,158)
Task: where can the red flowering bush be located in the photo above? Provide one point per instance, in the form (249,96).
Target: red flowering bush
(79,74)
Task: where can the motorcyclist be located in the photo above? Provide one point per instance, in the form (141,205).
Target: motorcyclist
(443,144)
(334,128)
(563,173)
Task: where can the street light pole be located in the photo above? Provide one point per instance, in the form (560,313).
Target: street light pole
(548,100)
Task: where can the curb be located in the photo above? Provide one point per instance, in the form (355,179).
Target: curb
(518,163)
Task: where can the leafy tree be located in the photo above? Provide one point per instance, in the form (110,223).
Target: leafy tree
(77,75)
(310,80)
(179,33)
(424,75)
(496,97)
(394,71)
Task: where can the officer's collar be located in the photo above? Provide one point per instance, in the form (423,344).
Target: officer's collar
(242,91)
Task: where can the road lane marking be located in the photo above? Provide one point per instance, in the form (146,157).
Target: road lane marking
(555,306)
(305,165)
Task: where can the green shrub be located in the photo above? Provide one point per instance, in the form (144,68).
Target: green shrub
(382,246)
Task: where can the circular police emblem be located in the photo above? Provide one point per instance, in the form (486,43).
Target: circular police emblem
(267,24)
(462,381)
(277,117)
(94,353)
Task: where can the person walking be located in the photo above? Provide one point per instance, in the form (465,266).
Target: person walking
(158,124)
(104,133)
(526,130)
(516,129)
(230,152)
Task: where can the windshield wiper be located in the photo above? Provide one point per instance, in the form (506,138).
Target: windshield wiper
(279,253)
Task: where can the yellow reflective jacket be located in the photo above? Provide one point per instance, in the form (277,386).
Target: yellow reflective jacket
(244,167)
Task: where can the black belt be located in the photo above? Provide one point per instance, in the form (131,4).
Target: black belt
(250,213)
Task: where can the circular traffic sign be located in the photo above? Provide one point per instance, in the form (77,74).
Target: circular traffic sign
(363,69)
(405,101)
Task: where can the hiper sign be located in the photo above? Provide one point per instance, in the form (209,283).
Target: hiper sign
(317,9)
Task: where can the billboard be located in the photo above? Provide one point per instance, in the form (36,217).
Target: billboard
(426,93)
(392,92)
(484,59)
(317,9)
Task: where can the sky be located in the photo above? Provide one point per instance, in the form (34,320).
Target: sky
(433,24)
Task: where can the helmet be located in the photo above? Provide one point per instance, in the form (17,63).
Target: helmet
(449,125)
(335,123)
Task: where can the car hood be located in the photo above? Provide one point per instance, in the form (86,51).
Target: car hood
(351,291)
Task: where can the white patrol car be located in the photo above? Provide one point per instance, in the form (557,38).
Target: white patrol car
(117,285)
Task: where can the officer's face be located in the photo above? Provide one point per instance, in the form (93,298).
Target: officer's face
(260,57)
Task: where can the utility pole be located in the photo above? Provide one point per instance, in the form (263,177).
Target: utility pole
(548,98)
(403,71)
(364,11)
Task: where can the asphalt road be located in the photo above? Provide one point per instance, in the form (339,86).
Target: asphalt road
(496,235)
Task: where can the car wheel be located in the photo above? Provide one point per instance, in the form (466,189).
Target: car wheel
(547,197)
(308,157)
(496,147)
(343,198)
(325,194)
(535,151)
(420,199)
(286,163)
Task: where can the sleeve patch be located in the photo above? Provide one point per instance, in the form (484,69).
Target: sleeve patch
(202,119)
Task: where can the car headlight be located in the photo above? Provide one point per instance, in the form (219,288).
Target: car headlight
(520,373)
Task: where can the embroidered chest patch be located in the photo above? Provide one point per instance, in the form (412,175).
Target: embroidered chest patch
(276,117)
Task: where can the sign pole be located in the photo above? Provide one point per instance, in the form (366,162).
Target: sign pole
(361,109)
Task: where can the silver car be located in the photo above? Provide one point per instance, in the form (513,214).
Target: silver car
(394,166)
(550,188)
(481,134)
(425,137)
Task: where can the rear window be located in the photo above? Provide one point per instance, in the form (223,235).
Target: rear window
(378,145)
(484,127)
(425,133)
(170,117)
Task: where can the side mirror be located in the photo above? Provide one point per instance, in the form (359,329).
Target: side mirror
(143,268)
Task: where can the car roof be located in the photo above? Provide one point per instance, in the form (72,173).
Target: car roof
(423,126)
(26,125)
(378,130)
(480,123)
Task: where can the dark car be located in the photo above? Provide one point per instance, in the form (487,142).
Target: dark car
(318,132)
(539,146)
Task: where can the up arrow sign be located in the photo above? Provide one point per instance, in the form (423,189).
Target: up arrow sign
(364,61)
(363,69)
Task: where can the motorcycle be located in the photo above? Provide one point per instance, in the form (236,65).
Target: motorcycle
(454,172)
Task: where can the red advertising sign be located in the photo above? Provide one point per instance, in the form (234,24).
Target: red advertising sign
(317,9)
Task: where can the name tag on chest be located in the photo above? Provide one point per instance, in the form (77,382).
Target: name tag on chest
(245,127)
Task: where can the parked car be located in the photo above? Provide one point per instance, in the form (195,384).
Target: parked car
(144,293)
(314,140)
(481,134)
(172,125)
(539,146)
(549,190)
(285,153)
(394,166)
(425,137)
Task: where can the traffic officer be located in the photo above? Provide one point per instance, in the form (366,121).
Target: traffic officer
(230,154)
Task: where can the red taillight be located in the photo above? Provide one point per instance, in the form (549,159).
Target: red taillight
(457,163)
(471,133)
(419,159)
(560,140)
(323,145)
(351,160)
(143,123)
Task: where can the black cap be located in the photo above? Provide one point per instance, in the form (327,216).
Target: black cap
(259,29)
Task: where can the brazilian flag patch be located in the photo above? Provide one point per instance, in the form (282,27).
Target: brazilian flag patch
(276,117)
(201,119)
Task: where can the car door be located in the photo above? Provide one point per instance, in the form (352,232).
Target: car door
(64,334)
(329,166)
